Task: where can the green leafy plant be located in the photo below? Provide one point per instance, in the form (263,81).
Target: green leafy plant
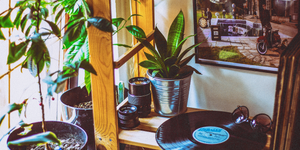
(167,61)
(75,39)
(28,19)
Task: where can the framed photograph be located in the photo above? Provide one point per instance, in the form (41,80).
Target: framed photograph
(246,34)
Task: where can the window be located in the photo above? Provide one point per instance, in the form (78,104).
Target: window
(17,85)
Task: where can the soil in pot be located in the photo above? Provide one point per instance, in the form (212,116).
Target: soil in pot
(68,142)
(85,105)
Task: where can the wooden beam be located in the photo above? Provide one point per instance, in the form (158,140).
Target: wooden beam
(101,57)
(146,22)
(131,52)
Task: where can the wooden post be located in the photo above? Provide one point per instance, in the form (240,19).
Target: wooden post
(101,56)
(146,22)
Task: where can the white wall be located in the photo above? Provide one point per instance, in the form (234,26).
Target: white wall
(219,88)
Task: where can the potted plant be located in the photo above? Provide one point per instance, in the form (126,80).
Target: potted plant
(37,58)
(77,102)
(168,72)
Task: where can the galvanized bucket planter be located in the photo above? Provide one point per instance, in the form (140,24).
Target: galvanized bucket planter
(170,96)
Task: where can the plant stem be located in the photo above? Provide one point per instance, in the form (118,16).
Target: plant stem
(47,147)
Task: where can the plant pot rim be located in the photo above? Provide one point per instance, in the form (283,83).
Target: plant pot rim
(70,90)
(54,121)
(168,79)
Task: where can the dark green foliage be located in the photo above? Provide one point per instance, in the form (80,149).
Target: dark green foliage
(167,60)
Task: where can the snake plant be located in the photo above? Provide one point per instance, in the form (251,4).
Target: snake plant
(166,60)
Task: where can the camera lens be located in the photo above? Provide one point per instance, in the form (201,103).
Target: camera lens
(139,95)
(139,86)
(128,117)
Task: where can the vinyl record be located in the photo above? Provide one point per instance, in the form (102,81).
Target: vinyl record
(208,130)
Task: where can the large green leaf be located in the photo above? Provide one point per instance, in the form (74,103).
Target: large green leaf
(58,15)
(16,51)
(150,57)
(88,67)
(149,64)
(5,22)
(161,43)
(176,32)
(73,34)
(101,24)
(40,138)
(37,57)
(78,51)
(136,31)
(8,109)
(178,49)
(54,28)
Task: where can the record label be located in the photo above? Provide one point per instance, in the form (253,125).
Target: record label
(210,135)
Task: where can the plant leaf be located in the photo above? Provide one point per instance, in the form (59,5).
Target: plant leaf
(54,28)
(8,109)
(37,55)
(174,69)
(87,81)
(186,60)
(16,51)
(149,64)
(178,49)
(161,43)
(40,138)
(27,129)
(133,16)
(5,22)
(17,20)
(1,35)
(117,21)
(150,57)
(88,67)
(154,73)
(23,23)
(123,45)
(101,24)
(73,33)
(170,60)
(136,31)
(28,30)
(186,51)
(58,15)
(185,70)
(176,32)
(140,35)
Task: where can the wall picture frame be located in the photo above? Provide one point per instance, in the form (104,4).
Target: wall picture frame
(234,37)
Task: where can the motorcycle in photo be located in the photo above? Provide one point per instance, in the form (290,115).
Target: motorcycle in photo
(268,40)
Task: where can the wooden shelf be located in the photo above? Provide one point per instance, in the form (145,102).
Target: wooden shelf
(144,134)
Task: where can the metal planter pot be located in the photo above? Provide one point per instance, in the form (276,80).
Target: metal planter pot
(170,96)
